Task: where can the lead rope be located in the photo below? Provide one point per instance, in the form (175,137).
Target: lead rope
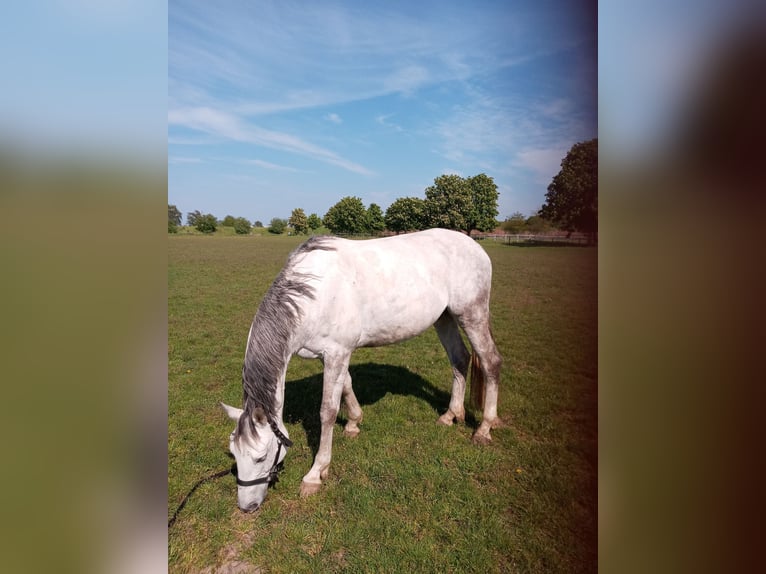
(272,477)
(218,474)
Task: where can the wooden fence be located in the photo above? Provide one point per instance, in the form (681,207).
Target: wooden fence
(508,239)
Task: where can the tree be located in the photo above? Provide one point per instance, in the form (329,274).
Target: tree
(258,223)
(484,195)
(347,216)
(314,222)
(174,218)
(449,203)
(228,221)
(536,224)
(298,221)
(206,223)
(375,221)
(277,226)
(191,218)
(515,223)
(406,214)
(242,226)
(572,198)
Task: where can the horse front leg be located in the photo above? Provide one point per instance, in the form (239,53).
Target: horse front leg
(335,371)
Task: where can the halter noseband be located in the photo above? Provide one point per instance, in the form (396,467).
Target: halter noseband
(273,475)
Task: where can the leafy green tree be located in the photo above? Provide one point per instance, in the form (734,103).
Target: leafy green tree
(449,203)
(298,221)
(515,223)
(347,216)
(277,226)
(314,222)
(406,214)
(572,199)
(242,226)
(174,219)
(484,196)
(228,221)
(375,220)
(191,218)
(258,223)
(206,223)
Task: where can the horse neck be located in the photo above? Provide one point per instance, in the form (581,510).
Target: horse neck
(265,368)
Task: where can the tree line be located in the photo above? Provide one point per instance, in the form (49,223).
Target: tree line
(452,202)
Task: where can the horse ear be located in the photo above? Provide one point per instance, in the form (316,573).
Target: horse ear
(259,415)
(233,412)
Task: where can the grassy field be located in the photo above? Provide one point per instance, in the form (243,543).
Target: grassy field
(407,494)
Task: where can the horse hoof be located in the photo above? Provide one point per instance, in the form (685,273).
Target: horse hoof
(351,433)
(481,439)
(445,419)
(309,488)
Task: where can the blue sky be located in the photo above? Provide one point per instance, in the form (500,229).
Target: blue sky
(279,105)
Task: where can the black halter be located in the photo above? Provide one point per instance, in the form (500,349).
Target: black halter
(273,475)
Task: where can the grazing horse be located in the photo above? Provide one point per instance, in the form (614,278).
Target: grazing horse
(335,295)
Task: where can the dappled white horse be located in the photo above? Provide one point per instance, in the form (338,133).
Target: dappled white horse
(335,295)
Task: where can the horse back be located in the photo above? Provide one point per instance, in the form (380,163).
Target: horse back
(379,291)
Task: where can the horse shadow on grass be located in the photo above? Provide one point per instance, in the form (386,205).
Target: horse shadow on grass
(372,382)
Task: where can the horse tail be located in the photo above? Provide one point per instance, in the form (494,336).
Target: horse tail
(477,383)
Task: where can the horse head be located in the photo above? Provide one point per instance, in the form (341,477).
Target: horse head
(257,445)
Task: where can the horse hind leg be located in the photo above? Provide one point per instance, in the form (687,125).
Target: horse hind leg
(486,377)
(449,335)
(354,409)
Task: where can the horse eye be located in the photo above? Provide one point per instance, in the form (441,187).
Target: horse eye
(261,459)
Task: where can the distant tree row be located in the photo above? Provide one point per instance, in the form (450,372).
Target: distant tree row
(206,222)
(452,202)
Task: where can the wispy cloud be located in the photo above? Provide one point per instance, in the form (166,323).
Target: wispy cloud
(383,121)
(543,163)
(271,166)
(334,118)
(406,80)
(312,55)
(231,127)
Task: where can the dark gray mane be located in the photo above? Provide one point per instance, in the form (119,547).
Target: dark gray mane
(268,347)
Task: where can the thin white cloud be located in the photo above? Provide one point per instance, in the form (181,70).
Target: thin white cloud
(271,166)
(383,120)
(406,80)
(370,53)
(334,118)
(180,159)
(543,163)
(228,126)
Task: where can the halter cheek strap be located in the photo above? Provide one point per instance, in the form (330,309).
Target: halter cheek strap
(273,475)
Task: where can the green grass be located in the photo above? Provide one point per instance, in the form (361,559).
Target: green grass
(407,494)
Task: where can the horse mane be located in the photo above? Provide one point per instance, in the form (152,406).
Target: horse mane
(277,317)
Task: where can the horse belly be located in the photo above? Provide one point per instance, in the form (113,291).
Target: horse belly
(394,319)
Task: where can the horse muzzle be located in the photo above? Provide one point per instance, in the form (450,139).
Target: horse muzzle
(251,507)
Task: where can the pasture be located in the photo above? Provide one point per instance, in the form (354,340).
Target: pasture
(406,494)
